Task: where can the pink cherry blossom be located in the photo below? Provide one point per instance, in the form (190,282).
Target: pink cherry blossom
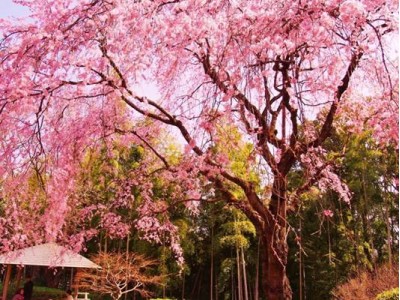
(279,72)
(328,213)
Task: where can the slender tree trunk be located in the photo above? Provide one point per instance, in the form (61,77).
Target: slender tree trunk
(199,291)
(239,277)
(212,263)
(301,279)
(216,288)
(6,282)
(183,285)
(257,277)
(246,292)
(387,218)
(196,279)
(19,275)
(105,244)
(127,255)
(233,291)
(388,233)
(163,266)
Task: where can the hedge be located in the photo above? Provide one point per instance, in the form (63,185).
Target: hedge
(392,294)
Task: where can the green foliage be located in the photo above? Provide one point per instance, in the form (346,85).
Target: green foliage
(235,234)
(334,248)
(47,293)
(392,294)
(239,153)
(39,292)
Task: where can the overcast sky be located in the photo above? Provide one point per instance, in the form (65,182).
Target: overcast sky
(10,9)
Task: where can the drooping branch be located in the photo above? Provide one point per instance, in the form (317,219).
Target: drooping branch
(341,89)
(264,133)
(148,145)
(255,203)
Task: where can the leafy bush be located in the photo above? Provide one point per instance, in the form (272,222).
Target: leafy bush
(40,292)
(120,274)
(367,285)
(392,294)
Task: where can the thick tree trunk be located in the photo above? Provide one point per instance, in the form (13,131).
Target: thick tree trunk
(275,282)
(274,257)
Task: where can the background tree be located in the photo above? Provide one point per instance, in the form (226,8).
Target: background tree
(120,274)
(334,240)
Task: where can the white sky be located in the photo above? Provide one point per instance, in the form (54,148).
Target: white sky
(9,9)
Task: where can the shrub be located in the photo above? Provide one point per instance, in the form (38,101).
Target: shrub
(392,294)
(40,292)
(367,285)
(120,274)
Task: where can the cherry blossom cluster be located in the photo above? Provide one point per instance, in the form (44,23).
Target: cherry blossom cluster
(317,167)
(76,74)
